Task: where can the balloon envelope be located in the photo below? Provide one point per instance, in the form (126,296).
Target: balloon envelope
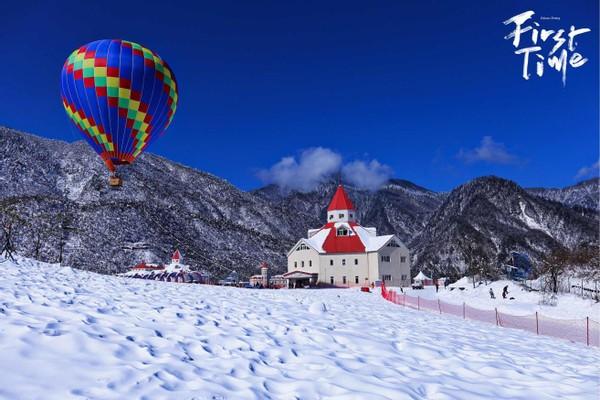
(120,95)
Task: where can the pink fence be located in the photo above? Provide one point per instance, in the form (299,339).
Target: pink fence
(585,331)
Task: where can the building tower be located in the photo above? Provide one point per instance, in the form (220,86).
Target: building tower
(176,258)
(264,273)
(341,208)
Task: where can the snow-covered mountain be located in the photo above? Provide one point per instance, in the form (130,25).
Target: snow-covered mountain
(59,193)
(498,216)
(58,196)
(399,207)
(584,194)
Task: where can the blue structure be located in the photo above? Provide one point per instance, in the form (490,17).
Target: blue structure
(521,266)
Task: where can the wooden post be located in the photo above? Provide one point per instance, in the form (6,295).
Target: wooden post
(464,311)
(587,330)
(419,303)
(497,321)
(537,324)
(439,306)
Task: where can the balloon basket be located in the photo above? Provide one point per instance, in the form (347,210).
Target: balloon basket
(115,182)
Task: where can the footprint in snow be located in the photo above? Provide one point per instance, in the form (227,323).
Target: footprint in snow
(52,329)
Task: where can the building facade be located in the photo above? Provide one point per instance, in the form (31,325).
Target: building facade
(344,253)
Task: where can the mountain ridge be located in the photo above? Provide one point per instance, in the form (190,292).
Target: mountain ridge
(59,192)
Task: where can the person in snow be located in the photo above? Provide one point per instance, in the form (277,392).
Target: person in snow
(505,292)
(492,294)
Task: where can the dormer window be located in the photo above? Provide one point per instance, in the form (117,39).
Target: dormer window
(342,231)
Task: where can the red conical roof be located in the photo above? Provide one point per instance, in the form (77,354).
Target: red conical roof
(340,200)
(176,256)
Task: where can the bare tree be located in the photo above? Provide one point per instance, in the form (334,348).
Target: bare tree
(7,245)
(476,260)
(39,235)
(586,259)
(553,265)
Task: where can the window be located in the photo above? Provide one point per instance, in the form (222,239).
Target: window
(356,261)
(331,280)
(402,259)
(302,264)
(356,279)
(295,264)
(392,243)
(351,215)
(342,231)
(403,277)
(331,262)
(340,215)
(344,279)
(310,263)
(302,247)
(385,258)
(331,216)
(387,277)
(343,261)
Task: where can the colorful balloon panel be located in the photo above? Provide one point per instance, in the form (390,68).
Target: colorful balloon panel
(120,95)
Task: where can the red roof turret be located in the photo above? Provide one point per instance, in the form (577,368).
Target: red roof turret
(176,256)
(340,200)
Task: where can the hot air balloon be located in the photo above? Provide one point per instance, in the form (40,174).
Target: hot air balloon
(121,96)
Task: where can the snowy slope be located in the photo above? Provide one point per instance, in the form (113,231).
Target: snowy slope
(584,194)
(67,333)
(569,306)
(499,217)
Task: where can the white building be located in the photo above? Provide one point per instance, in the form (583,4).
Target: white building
(343,253)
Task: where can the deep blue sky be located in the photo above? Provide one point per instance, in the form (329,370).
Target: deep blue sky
(409,83)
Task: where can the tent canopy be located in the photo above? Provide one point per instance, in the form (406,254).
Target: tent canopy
(421,277)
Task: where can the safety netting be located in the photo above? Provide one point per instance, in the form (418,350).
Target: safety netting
(586,331)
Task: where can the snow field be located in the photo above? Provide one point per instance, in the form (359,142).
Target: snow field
(569,306)
(67,334)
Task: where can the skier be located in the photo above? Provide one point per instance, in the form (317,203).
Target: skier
(492,294)
(505,292)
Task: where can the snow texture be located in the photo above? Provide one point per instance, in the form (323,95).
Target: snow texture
(69,334)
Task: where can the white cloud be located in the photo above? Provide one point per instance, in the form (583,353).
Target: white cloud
(316,165)
(368,175)
(592,170)
(488,151)
(313,167)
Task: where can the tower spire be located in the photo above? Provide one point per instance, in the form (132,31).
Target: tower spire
(340,208)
